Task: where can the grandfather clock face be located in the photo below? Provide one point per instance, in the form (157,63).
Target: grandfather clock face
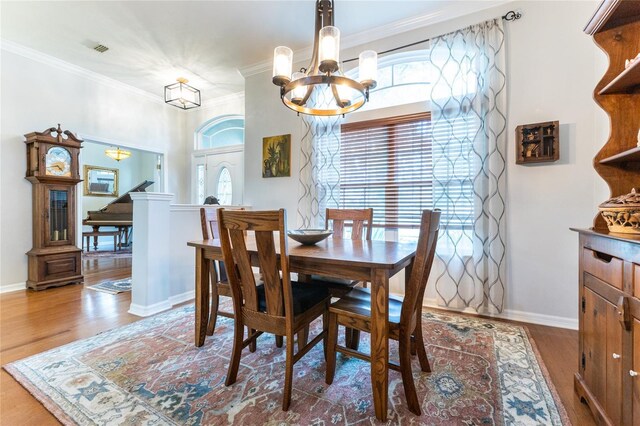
(58,162)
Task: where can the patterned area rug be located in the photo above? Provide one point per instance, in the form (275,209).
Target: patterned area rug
(150,373)
(125,252)
(113,287)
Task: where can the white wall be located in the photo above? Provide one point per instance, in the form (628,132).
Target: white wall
(38,95)
(552,70)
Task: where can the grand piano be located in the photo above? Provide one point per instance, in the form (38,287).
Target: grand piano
(118,213)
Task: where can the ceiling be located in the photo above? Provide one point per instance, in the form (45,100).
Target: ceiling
(151,43)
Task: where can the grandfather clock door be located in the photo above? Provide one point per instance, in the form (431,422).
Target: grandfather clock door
(59,215)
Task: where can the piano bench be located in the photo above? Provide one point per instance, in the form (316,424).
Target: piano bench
(86,236)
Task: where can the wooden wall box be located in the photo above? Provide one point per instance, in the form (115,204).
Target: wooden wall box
(609,276)
(538,142)
(52,169)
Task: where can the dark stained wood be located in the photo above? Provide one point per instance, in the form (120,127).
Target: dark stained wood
(278,316)
(54,260)
(616,29)
(340,258)
(607,313)
(404,317)
(359,219)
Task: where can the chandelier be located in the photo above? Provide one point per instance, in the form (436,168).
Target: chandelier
(117,154)
(182,95)
(322,89)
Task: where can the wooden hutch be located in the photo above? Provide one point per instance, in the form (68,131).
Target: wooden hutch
(609,307)
(52,169)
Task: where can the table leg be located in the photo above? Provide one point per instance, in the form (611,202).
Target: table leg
(202,296)
(380,342)
(96,228)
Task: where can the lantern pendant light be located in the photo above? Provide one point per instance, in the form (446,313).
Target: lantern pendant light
(322,89)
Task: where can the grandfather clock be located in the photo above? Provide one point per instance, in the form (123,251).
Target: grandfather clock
(52,168)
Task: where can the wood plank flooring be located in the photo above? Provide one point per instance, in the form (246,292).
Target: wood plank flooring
(32,322)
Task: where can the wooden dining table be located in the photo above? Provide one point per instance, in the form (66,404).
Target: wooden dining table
(373,261)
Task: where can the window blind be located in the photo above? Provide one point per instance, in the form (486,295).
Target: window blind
(394,166)
(388,165)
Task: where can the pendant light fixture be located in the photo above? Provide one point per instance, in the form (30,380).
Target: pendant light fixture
(182,95)
(322,89)
(117,154)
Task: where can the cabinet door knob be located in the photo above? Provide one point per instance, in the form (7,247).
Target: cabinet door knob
(615,356)
(633,373)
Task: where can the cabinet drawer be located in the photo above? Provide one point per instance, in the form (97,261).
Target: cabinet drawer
(601,265)
(59,266)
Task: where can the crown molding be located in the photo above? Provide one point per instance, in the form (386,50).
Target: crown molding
(377,33)
(214,102)
(35,55)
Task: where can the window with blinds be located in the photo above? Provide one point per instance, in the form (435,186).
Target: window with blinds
(393,166)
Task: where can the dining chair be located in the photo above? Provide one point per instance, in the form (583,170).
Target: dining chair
(218,275)
(279,306)
(405,314)
(361,223)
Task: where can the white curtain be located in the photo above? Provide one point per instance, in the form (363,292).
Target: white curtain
(468,104)
(319,170)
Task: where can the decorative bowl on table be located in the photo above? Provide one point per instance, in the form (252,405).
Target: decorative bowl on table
(309,237)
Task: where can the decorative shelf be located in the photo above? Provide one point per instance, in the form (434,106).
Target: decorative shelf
(611,14)
(632,154)
(537,142)
(625,82)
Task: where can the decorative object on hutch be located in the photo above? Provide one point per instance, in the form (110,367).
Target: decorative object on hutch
(117,153)
(609,278)
(182,95)
(321,89)
(52,168)
(538,142)
(622,213)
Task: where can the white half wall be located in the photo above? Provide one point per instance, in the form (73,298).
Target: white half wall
(552,70)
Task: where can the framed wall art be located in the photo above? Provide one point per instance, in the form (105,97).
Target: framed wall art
(276,156)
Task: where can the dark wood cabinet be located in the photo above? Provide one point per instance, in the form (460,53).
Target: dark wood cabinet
(52,168)
(609,323)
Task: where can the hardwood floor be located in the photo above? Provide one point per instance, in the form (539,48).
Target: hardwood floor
(32,322)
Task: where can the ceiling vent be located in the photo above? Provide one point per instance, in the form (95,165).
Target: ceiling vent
(101,48)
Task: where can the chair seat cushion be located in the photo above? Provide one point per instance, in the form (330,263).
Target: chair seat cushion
(358,301)
(305,296)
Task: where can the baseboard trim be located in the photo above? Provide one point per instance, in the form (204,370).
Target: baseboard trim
(145,311)
(182,297)
(13,287)
(513,315)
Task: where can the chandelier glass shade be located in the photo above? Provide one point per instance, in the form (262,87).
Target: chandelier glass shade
(181,95)
(117,154)
(322,89)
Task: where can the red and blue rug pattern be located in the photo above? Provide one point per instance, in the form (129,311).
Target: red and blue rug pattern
(150,373)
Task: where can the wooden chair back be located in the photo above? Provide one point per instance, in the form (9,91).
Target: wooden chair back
(358,218)
(234,224)
(209,223)
(425,252)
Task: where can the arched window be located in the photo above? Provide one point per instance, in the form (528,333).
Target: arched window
(403,78)
(225,189)
(220,132)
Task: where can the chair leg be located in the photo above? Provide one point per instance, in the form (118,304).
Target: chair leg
(325,329)
(288,375)
(355,339)
(279,341)
(407,376)
(215,300)
(413,346)
(236,353)
(252,345)
(332,341)
(419,346)
(303,338)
